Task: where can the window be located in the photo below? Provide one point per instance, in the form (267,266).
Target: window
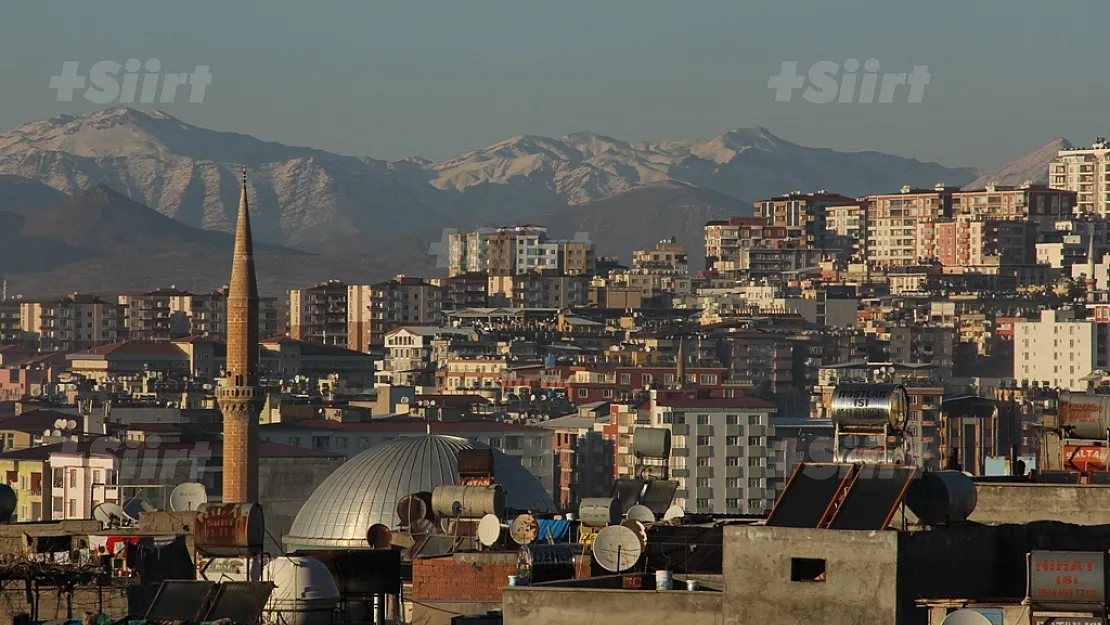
(703,482)
(704,441)
(732,419)
(341,442)
(753,482)
(702,504)
(704,461)
(295,441)
(72,508)
(732,461)
(753,419)
(755,441)
(57,505)
(732,504)
(732,441)
(807,570)
(703,419)
(321,442)
(512,442)
(607,393)
(626,378)
(583,393)
(732,482)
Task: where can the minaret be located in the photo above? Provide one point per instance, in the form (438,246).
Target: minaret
(239,397)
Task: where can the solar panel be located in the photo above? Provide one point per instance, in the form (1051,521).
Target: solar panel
(241,602)
(1099,477)
(685,549)
(181,600)
(873,497)
(628,491)
(659,495)
(809,495)
(435,545)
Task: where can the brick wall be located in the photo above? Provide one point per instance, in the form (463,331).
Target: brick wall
(470,576)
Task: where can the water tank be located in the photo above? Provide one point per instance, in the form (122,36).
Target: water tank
(1084,415)
(304,592)
(942,497)
(651,443)
(475,501)
(540,563)
(870,405)
(229,530)
(599,511)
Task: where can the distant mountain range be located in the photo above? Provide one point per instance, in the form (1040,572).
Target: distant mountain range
(307,196)
(365,219)
(1033,167)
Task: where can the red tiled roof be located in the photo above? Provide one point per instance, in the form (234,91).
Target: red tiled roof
(135,348)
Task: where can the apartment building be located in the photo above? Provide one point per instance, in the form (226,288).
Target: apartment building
(11,320)
(974,242)
(53,484)
(464,290)
(847,224)
(664,269)
(159,315)
(726,238)
(719,451)
(468,252)
(523,249)
(1060,350)
(319,314)
(1037,204)
(74,323)
(804,215)
(1086,172)
(396,303)
(892,221)
(409,353)
(775,264)
(547,289)
(1070,241)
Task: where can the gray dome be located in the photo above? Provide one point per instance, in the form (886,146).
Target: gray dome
(366,489)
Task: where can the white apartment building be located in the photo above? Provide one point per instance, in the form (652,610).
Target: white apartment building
(408,352)
(74,323)
(892,222)
(1060,349)
(720,454)
(1087,172)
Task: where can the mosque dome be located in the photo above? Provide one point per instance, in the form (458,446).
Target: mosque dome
(365,490)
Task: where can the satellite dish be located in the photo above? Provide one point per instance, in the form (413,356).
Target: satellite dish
(489,530)
(134,507)
(966,617)
(36,391)
(70,425)
(8,499)
(524,529)
(640,513)
(56,433)
(404,400)
(379,536)
(188,497)
(110,514)
(59,423)
(674,512)
(411,509)
(421,528)
(639,529)
(617,548)
(46,432)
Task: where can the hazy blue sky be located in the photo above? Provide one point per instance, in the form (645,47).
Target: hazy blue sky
(393,78)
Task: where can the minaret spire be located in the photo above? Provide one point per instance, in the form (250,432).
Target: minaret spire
(239,397)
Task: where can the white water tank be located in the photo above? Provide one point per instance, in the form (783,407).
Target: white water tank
(305,592)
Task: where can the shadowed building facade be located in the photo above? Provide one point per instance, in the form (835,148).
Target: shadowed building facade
(239,397)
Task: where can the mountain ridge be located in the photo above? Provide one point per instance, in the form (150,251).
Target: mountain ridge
(308,196)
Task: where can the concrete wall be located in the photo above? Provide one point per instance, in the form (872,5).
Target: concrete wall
(55,605)
(1025,503)
(859,587)
(587,606)
(284,485)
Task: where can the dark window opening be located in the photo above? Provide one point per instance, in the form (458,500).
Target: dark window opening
(807,570)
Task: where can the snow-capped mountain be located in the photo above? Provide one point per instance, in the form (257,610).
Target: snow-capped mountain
(1032,167)
(304,196)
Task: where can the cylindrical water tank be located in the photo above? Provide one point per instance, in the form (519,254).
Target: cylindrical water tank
(870,405)
(304,592)
(651,443)
(599,511)
(476,501)
(942,497)
(1084,415)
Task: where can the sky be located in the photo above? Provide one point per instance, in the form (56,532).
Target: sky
(434,78)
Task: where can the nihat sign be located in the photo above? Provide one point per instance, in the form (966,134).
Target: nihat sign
(1067,578)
